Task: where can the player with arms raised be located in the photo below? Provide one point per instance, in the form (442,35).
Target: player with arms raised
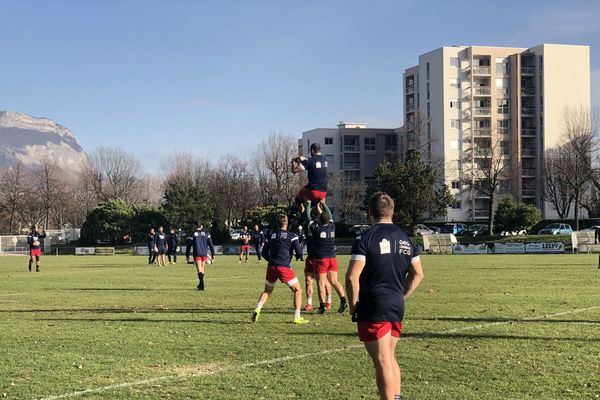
(35,246)
(316,189)
(278,250)
(200,242)
(245,237)
(384,270)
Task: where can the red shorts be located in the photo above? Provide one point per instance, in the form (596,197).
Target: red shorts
(309,265)
(370,331)
(245,247)
(284,274)
(35,252)
(314,196)
(325,265)
(201,258)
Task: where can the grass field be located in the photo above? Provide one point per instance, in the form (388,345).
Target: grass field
(479,327)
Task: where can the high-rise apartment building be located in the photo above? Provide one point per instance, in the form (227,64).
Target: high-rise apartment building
(464,103)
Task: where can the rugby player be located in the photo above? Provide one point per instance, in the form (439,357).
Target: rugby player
(245,237)
(35,246)
(172,245)
(150,241)
(325,264)
(316,189)
(258,240)
(200,242)
(278,250)
(160,244)
(384,270)
(309,273)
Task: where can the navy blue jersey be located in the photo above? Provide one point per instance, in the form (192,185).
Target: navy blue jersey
(258,237)
(245,237)
(324,239)
(388,253)
(302,238)
(150,241)
(279,247)
(200,242)
(173,241)
(160,240)
(310,244)
(316,166)
(35,237)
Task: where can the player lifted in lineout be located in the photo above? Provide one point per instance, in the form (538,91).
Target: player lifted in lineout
(316,189)
(245,237)
(35,246)
(278,250)
(200,242)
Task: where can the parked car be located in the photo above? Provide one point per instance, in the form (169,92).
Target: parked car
(421,230)
(478,230)
(456,229)
(358,229)
(556,229)
(235,234)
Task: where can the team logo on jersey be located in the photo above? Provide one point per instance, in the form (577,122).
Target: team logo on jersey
(404,248)
(384,247)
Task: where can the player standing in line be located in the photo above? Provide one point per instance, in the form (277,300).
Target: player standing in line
(384,270)
(172,245)
(35,246)
(309,273)
(200,242)
(278,250)
(323,233)
(316,189)
(160,240)
(258,240)
(150,241)
(245,237)
(302,240)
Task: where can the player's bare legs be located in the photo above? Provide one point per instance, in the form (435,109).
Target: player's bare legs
(387,371)
(200,268)
(297,290)
(324,291)
(262,300)
(332,277)
(308,284)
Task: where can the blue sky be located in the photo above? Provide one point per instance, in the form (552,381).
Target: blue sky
(215,77)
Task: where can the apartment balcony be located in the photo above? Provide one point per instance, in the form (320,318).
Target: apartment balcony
(505,92)
(482,70)
(528,152)
(482,132)
(481,213)
(503,131)
(526,70)
(482,111)
(528,111)
(391,147)
(527,91)
(528,172)
(410,89)
(352,147)
(410,108)
(350,166)
(482,152)
(482,91)
(528,193)
(528,132)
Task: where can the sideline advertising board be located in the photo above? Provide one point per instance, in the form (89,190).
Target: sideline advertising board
(545,248)
(104,251)
(508,248)
(470,249)
(85,251)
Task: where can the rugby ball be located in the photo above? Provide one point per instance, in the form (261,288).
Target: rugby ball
(36,243)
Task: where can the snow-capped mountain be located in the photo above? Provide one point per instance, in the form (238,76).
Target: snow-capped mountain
(30,140)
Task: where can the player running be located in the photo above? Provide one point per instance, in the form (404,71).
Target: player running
(172,245)
(258,240)
(309,274)
(200,242)
(160,244)
(150,241)
(278,250)
(316,189)
(325,264)
(245,237)
(384,270)
(35,246)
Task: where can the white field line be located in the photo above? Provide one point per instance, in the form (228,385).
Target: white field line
(298,356)
(13,294)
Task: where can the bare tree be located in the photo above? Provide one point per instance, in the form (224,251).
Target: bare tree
(12,194)
(347,195)
(557,190)
(486,166)
(47,188)
(113,173)
(272,161)
(578,144)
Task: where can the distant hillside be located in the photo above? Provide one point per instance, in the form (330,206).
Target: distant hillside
(29,140)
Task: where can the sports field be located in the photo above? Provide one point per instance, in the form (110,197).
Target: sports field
(479,327)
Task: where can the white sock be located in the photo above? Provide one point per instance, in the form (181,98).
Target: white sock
(309,301)
(297,314)
(259,305)
(329,298)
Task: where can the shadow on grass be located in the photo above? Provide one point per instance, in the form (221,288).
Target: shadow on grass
(507,320)
(152,310)
(149,320)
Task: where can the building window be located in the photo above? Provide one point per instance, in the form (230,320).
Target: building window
(455,184)
(328,140)
(455,62)
(428,110)
(454,83)
(428,93)
(454,103)
(455,123)
(369,143)
(503,125)
(427,71)
(502,66)
(330,160)
(504,147)
(456,205)
(503,106)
